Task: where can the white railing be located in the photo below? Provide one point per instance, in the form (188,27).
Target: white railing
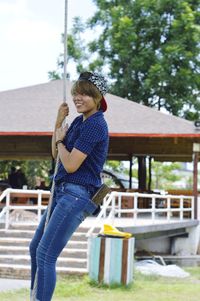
(10,193)
(159,206)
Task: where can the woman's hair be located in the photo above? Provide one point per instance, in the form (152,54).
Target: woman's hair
(85,87)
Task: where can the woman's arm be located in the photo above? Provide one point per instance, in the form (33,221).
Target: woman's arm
(63,111)
(70,160)
(53,142)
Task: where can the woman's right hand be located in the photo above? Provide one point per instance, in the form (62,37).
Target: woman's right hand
(63,112)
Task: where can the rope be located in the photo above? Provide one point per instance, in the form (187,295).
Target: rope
(65,55)
(33,296)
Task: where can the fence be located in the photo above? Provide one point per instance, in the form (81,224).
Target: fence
(117,204)
(140,205)
(11,194)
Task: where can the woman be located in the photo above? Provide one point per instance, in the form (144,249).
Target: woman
(82,150)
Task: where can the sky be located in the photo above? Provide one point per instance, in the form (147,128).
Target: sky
(30,38)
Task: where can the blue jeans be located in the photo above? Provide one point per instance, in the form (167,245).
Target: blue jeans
(71,204)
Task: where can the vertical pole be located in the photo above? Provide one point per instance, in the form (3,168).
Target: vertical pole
(142,173)
(113,210)
(153,209)
(7,209)
(130,171)
(195,181)
(168,209)
(39,205)
(65,55)
(150,175)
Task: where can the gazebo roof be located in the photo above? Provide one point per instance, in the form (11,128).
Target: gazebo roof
(34,108)
(134,129)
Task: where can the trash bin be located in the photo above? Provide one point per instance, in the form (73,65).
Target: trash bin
(110,260)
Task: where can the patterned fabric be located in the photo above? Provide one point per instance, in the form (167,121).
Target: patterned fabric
(91,138)
(97,79)
(100,82)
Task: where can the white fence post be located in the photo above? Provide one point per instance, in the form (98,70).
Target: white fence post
(135,206)
(39,205)
(113,209)
(198,208)
(119,205)
(153,207)
(181,208)
(168,209)
(8,210)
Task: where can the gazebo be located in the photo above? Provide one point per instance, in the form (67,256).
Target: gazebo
(28,114)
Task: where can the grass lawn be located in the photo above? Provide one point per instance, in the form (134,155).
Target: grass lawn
(144,288)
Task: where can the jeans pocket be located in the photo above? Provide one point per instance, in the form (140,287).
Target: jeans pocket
(87,210)
(96,212)
(91,208)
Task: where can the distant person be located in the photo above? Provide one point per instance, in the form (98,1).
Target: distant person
(21,179)
(42,186)
(13,178)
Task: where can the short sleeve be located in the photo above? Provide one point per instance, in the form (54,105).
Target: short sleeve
(91,134)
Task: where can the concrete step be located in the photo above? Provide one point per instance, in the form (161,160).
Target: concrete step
(16,271)
(13,241)
(79,236)
(32,227)
(25,260)
(16,233)
(15,258)
(23,250)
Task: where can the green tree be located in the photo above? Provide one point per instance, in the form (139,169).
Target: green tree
(115,166)
(31,169)
(149,49)
(164,175)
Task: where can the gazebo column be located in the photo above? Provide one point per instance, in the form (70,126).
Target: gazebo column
(150,174)
(142,173)
(130,170)
(196,150)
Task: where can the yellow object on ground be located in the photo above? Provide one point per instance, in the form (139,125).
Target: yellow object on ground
(109,230)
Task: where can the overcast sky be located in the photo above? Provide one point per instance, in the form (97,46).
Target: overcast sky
(30,38)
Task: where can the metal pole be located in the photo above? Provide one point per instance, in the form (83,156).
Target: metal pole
(196,151)
(150,174)
(195,181)
(65,54)
(130,170)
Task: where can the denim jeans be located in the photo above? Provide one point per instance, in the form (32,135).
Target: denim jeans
(71,204)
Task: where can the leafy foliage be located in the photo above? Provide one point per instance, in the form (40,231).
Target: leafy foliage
(165,175)
(31,169)
(149,49)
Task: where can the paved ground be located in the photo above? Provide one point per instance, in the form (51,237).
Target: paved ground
(12,284)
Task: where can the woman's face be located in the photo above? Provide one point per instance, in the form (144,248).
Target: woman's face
(85,104)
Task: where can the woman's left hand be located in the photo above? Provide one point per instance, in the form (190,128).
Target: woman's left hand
(61,132)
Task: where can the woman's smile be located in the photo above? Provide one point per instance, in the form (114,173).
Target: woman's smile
(85,104)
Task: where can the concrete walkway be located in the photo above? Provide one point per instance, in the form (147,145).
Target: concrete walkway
(13,284)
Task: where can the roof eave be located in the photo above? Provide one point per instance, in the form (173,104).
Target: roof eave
(122,135)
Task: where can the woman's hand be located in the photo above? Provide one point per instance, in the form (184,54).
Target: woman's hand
(61,132)
(63,111)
